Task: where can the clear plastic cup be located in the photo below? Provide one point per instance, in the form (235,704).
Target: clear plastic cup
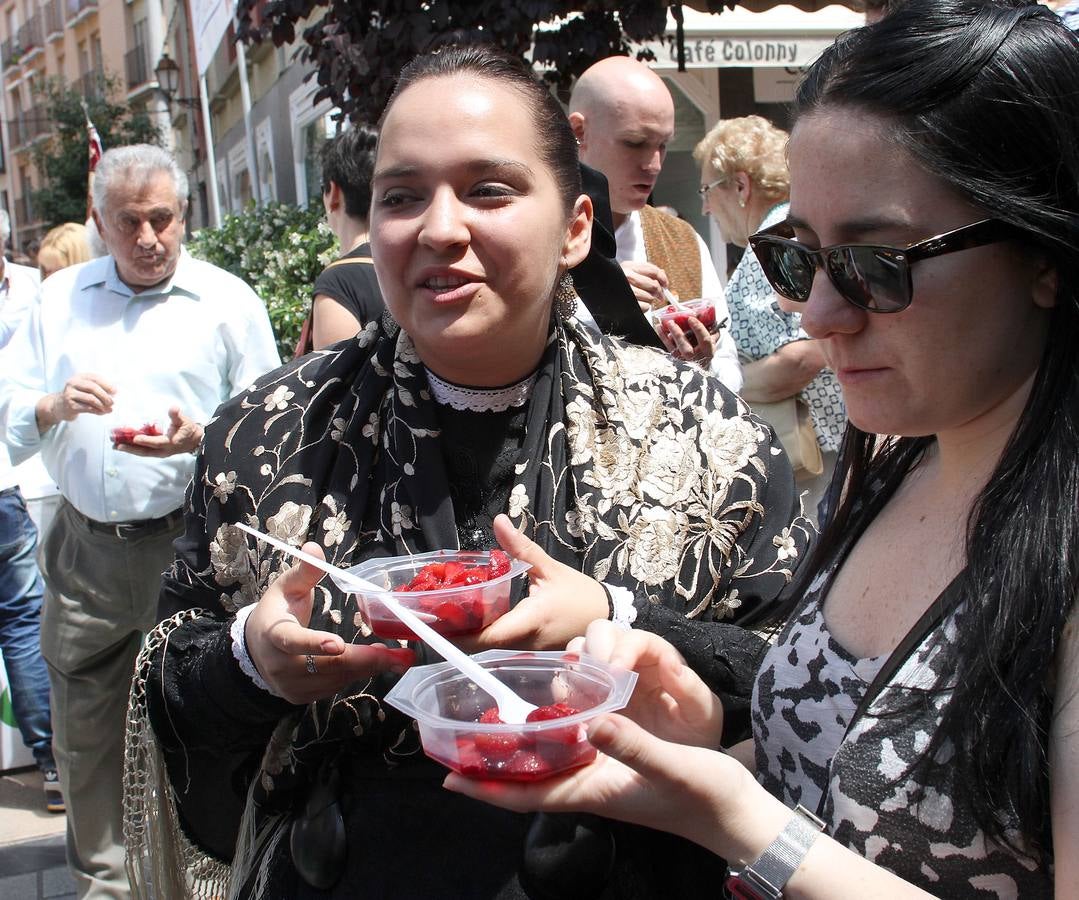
(448,707)
(703,309)
(464,609)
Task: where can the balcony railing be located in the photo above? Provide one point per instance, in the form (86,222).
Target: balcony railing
(137,67)
(54,20)
(90,85)
(29,36)
(78,9)
(24,129)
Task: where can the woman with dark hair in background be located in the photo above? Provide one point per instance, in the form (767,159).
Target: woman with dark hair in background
(345,297)
(636,485)
(923,699)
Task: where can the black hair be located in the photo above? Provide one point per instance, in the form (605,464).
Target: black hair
(985,95)
(348,160)
(555,141)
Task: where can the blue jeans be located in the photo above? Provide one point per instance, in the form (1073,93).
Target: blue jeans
(21,591)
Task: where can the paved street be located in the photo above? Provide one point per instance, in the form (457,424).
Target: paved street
(32,863)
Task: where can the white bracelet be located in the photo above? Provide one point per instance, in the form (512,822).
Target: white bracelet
(239,649)
(623,612)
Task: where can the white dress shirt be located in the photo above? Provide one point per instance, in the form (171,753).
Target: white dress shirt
(18,292)
(629,237)
(193,342)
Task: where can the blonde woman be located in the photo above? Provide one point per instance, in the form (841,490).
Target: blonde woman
(63,246)
(745,186)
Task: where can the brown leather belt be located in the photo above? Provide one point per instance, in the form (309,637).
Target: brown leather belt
(130,531)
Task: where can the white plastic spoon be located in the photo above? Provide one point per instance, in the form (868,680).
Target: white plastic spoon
(512,709)
(674,301)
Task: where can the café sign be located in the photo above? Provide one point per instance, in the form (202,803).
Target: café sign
(711,51)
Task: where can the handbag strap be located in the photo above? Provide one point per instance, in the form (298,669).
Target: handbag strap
(350,259)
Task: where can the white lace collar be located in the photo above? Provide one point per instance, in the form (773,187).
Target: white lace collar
(480,399)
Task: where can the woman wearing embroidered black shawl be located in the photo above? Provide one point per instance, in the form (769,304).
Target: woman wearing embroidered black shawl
(617,461)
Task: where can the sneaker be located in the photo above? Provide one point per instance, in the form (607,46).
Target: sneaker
(54,794)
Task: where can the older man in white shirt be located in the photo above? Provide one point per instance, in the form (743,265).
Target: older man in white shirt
(146,336)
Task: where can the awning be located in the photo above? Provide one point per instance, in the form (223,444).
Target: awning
(782,35)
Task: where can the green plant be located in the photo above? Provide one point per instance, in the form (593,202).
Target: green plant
(62,161)
(278,249)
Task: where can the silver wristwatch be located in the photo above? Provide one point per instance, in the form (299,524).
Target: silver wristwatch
(766,876)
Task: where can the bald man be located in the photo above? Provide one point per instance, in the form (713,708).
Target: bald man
(623,117)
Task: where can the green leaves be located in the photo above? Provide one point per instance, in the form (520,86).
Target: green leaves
(359,46)
(62,159)
(279,250)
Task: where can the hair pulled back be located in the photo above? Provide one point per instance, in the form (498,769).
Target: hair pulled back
(983,93)
(348,160)
(554,138)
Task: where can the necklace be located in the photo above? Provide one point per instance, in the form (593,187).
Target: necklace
(480,399)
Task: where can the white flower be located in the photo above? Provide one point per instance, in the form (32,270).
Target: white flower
(406,350)
(581,430)
(728,444)
(370,430)
(337,429)
(335,527)
(401,516)
(655,544)
(367,336)
(224,484)
(230,557)
(615,460)
(785,545)
(518,501)
(672,468)
(279,398)
(290,523)
(581,520)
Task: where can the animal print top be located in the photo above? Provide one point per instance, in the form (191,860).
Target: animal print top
(855,775)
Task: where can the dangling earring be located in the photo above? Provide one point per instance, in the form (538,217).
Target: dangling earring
(565,297)
(742,202)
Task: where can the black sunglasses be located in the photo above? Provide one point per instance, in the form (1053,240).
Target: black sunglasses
(872,277)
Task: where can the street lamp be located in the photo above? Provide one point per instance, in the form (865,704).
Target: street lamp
(168,74)
(168,81)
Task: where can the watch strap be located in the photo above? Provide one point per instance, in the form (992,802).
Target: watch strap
(766,876)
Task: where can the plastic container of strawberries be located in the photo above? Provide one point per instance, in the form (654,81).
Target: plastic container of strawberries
(458,720)
(703,309)
(450,608)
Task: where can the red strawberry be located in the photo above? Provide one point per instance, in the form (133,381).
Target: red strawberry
(452,616)
(527,766)
(499,564)
(497,746)
(434,571)
(150,430)
(555,736)
(554,711)
(451,571)
(469,759)
(490,716)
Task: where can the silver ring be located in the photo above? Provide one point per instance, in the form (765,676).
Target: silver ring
(312,669)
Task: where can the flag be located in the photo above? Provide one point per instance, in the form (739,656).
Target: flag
(95,152)
(95,144)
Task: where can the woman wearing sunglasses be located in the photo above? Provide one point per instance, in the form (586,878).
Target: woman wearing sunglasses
(921,704)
